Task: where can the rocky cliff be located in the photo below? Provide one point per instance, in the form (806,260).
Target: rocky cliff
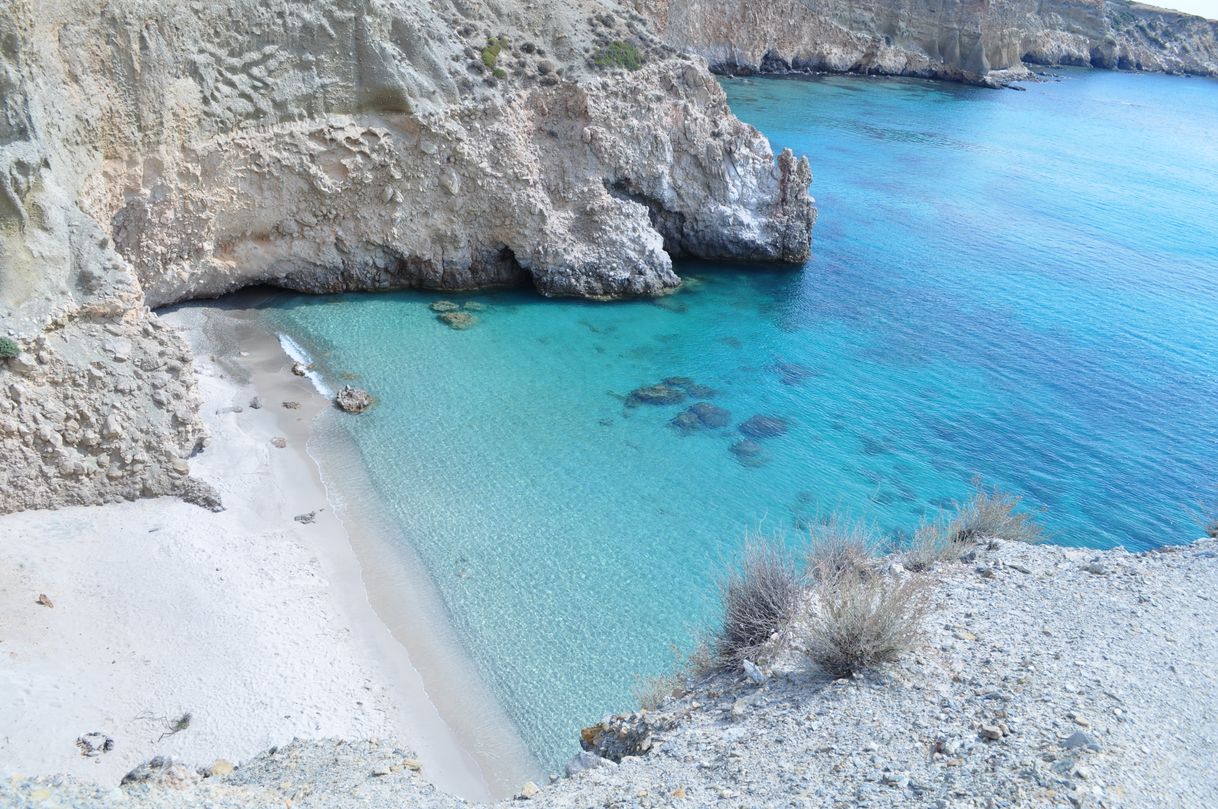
(154,152)
(976,41)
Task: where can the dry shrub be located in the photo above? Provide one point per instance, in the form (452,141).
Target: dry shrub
(651,693)
(985,515)
(991,515)
(759,595)
(840,544)
(860,618)
(932,544)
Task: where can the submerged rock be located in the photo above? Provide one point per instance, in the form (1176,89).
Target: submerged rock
(443,306)
(760,426)
(711,416)
(474,306)
(690,386)
(750,453)
(655,395)
(458,320)
(792,373)
(701,415)
(353,400)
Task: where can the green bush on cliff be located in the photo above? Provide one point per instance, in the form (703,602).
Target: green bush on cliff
(490,54)
(619,54)
(8,348)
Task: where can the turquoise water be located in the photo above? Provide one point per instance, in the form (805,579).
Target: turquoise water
(1015,285)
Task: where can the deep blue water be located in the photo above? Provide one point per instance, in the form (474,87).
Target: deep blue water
(1019,286)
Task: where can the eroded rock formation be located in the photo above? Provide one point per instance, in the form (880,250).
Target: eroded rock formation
(983,41)
(155,152)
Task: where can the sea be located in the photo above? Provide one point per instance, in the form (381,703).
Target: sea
(1008,289)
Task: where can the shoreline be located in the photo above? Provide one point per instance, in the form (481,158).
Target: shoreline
(260,625)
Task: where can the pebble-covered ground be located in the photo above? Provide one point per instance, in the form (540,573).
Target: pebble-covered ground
(1048,677)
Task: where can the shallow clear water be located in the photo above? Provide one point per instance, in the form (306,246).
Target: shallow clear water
(1016,285)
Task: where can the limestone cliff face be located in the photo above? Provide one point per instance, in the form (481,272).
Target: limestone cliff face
(977,41)
(154,152)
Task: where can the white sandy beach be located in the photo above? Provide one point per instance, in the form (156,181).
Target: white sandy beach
(257,625)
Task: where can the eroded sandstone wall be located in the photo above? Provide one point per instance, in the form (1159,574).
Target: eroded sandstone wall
(977,41)
(154,152)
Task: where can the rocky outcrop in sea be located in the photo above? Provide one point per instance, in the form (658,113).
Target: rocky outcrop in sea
(989,43)
(152,153)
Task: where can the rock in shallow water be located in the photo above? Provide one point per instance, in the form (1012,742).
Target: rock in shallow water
(655,395)
(750,453)
(699,416)
(764,426)
(458,320)
(353,400)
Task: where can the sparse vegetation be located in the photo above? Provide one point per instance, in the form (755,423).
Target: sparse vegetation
(1207,515)
(619,54)
(992,515)
(178,725)
(8,348)
(759,597)
(652,692)
(988,514)
(490,54)
(931,545)
(840,544)
(859,619)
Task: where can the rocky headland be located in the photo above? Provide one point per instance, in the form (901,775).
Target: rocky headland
(152,153)
(1045,677)
(991,42)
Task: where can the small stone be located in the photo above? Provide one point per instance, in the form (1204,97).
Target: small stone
(1079,740)
(292,405)
(306,519)
(679,792)
(754,673)
(583,760)
(990,732)
(738,708)
(1096,569)
(412,764)
(43,600)
(527,791)
(299,368)
(1080,720)
(279,441)
(256,403)
(221,767)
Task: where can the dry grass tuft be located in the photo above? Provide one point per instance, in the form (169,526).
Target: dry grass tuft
(992,515)
(986,515)
(860,619)
(759,595)
(841,544)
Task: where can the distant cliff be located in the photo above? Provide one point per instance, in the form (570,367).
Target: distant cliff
(976,41)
